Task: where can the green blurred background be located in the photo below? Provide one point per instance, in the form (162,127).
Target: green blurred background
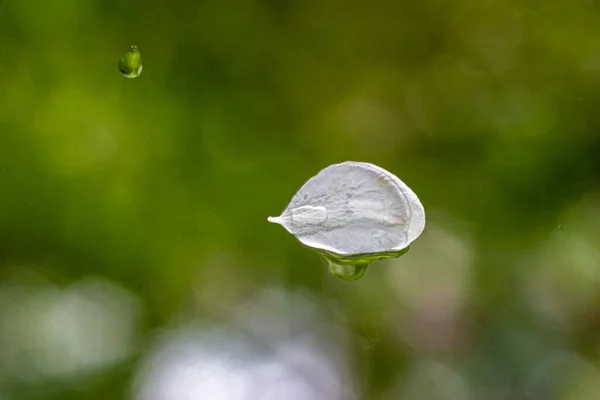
(136,261)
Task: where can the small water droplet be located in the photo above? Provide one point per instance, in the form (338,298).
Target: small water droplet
(130,64)
(347,272)
(353,267)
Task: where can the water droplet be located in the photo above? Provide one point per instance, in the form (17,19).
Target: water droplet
(130,65)
(352,268)
(347,272)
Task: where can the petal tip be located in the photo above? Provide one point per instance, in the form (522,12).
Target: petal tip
(274,220)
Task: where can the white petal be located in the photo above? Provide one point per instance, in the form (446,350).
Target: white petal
(354,208)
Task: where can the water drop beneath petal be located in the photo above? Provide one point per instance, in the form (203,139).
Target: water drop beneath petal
(347,272)
(353,267)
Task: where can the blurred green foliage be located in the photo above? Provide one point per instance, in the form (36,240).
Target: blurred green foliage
(487,110)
